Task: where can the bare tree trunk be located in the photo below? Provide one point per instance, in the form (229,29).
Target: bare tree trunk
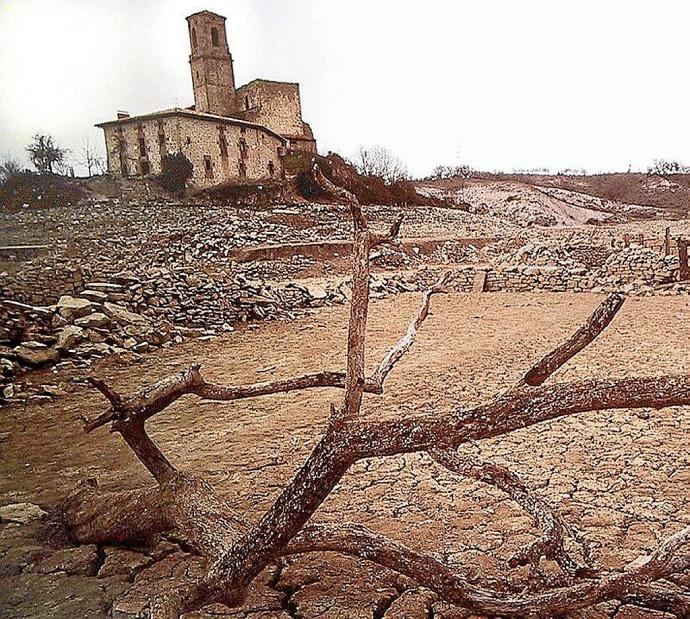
(237,552)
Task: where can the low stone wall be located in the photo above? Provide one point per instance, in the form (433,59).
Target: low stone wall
(188,296)
(628,276)
(44,280)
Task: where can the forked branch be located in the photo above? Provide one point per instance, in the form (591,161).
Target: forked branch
(237,552)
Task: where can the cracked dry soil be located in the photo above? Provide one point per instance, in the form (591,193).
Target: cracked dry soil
(621,477)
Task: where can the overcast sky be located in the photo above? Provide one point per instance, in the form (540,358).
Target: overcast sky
(497,84)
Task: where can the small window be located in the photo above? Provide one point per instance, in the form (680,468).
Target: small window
(244,151)
(142,147)
(193,37)
(208,166)
(214,37)
(246,102)
(243,169)
(271,168)
(145,168)
(223,144)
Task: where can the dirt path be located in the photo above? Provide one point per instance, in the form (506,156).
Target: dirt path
(621,477)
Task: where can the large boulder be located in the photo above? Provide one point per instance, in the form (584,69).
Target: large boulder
(71,308)
(36,353)
(21,513)
(97,320)
(123,316)
(69,337)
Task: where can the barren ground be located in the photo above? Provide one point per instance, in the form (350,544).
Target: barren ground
(620,477)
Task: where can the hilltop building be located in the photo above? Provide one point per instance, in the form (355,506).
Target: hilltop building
(228,134)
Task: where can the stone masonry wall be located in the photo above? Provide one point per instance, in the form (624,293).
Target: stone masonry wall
(275,105)
(197,138)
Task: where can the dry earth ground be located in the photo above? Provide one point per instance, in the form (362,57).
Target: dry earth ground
(621,477)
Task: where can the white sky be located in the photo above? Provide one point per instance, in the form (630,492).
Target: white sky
(498,84)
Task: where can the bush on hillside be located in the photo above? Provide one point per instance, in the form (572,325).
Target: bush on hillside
(368,189)
(30,190)
(176,170)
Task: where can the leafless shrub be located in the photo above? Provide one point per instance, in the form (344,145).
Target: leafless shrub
(92,159)
(46,156)
(9,168)
(379,161)
(447,172)
(663,167)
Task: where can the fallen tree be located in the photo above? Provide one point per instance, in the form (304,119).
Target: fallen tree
(235,551)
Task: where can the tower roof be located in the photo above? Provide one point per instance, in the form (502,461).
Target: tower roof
(211,13)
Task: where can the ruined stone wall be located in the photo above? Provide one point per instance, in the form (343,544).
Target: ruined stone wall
(275,105)
(247,152)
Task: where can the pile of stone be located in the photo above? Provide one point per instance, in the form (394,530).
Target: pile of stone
(571,253)
(42,280)
(130,315)
(81,328)
(639,264)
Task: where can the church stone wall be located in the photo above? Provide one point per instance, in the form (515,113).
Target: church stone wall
(218,151)
(275,105)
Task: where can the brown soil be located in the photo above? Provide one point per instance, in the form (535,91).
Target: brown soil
(621,477)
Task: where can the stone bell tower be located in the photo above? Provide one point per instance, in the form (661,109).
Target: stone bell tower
(212,75)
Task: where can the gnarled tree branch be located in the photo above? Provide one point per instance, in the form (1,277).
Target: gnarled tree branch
(237,552)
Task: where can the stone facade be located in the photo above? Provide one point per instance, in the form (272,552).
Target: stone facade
(220,148)
(277,106)
(229,134)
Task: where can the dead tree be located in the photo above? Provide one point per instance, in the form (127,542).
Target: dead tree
(235,551)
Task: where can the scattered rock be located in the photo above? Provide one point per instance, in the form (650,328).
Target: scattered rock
(82,560)
(68,337)
(36,354)
(21,513)
(71,308)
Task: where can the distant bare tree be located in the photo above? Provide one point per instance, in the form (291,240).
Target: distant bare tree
(448,172)
(663,167)
(9,167)
(451,171)
(379,161)
(92,159)
(45,154)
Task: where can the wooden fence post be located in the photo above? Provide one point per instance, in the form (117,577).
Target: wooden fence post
(684,268)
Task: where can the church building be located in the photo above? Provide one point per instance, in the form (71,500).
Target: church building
(229,134)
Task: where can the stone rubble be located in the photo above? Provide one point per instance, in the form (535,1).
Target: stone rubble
(142,275)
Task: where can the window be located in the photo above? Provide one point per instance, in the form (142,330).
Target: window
(246,102)
(243,169)
(193,37)
(271,168)
(208,166)
(214,37)
(142,147)
(244,151)
(223,143)
(145,168)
